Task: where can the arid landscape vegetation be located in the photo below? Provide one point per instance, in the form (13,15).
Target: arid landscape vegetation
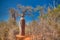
(47,27)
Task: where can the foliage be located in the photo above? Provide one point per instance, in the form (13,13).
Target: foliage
(46,28)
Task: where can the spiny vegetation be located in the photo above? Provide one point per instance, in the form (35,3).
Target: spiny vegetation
(47,27)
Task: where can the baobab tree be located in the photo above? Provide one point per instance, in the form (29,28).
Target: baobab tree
(13,16)
(22,15)
(12,13)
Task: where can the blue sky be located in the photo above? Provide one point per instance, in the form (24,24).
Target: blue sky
(6,4)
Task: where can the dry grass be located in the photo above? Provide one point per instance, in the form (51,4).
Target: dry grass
(45,29)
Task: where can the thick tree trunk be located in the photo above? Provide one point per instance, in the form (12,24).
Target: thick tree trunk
(22,22)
